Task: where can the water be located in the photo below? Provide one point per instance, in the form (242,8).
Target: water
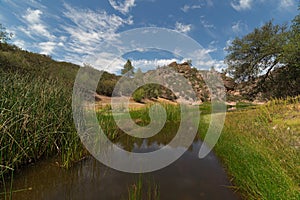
(186,179)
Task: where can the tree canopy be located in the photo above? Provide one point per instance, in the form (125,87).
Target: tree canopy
(268,56)
(128,69)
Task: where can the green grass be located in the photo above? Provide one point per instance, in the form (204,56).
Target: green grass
(143,190)
(260,150)
(139,116)
(35,122)
(259,147)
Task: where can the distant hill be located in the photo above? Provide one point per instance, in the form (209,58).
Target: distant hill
(14,59)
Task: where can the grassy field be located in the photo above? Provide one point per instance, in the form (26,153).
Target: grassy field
(260,150)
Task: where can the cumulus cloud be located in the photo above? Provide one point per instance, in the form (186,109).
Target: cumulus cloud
(183,28)
(240,5)
(201,64)
(35,26)
(151,64)
(105,61)
(122,6)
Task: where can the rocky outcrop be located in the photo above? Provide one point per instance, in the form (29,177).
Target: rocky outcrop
(201,83)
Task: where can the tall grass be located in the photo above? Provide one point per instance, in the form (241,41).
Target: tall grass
(260,150)
(35,122)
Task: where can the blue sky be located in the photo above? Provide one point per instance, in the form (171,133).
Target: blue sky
(74,30)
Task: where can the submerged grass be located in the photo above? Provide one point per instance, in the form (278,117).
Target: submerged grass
(143,190)
(35,122)
(260,149)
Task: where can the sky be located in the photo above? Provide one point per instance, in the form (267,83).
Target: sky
(80,31)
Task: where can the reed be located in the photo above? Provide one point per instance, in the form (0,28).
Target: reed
(35,122)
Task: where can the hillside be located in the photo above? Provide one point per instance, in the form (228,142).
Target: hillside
(14,59)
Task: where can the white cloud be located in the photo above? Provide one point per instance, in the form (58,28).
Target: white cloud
(206,24)
(35,26)
(239,27)
(151,64)
(47,48)
(287,4)
(89,31)
(201,59)
(33,16)
(186,7)
(105,61)
(240,5)
(20,43)
(228,43)
(92,27)
(122,7)
(183,28)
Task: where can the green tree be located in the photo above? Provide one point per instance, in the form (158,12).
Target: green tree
(128,69)
(264,59)
(292,48)
(4,35)
(259,51)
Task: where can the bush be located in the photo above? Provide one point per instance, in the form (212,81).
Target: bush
(138,95)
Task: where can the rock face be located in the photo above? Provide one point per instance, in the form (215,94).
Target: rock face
(200,83)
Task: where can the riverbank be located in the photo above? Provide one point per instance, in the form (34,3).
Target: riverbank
(260,150)
(259,147)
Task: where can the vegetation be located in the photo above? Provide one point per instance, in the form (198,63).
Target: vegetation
(138,95)
(13,59)
(128,69)
(141,190)
(260,149)
(4,35)
(271,50)
(35,121)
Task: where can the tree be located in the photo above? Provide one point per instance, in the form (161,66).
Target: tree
(189,61)
(268,57)
(292,48)
(4,35)
(128,69)
(257,52)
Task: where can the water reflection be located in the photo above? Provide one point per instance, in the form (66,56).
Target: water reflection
(187,178)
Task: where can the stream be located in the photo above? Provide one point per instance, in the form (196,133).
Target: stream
(188,178)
